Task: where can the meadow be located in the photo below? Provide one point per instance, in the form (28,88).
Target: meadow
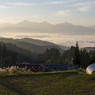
(72,82)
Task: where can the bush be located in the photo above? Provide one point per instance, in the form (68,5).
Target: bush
(13,70)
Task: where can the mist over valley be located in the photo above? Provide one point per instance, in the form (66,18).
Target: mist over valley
(65,34)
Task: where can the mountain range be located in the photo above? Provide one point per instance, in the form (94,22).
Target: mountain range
(45,27)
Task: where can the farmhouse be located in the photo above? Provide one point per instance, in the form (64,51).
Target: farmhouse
(47,67)
(59,67)
(32,67)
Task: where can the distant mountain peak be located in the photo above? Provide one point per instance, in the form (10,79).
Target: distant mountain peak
(25,21)
(65,24)
(46,23)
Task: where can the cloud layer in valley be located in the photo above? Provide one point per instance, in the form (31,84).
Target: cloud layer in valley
(61,39)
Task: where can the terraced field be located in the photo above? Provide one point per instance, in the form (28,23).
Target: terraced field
(54,83)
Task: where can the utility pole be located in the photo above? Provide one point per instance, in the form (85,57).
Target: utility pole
(1,55)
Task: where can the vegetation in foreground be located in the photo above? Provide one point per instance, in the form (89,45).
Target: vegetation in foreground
(50,83)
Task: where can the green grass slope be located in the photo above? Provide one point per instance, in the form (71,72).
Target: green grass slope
(54,83)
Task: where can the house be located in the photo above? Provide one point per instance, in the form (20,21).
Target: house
(46,67)
(32,67)
(59,67)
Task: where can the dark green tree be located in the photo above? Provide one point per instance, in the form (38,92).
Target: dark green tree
(68,55)
(76,59)
(50,56)
(85,58)
(92,58)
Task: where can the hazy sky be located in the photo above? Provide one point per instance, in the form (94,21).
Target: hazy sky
(54,11)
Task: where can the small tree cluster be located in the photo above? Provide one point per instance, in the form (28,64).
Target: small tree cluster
(50,56)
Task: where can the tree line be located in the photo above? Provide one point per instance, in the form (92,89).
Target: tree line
(71,56)
(7,57)
(10,54)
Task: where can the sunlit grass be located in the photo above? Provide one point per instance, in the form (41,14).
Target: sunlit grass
(69,82)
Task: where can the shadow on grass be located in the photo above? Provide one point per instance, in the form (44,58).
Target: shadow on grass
(9,86)
(5,80)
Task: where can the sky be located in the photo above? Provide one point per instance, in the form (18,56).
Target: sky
(78,12)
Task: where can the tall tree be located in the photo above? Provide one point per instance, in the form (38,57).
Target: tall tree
(68,55)
(85,58)
(76,59)
(92,59)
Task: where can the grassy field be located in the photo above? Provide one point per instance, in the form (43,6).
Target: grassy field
(55,83)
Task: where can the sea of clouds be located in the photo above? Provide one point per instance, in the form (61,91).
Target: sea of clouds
(61,39)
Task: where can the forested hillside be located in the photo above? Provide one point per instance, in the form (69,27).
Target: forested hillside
(28,50)
(31,51)
(34,46)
